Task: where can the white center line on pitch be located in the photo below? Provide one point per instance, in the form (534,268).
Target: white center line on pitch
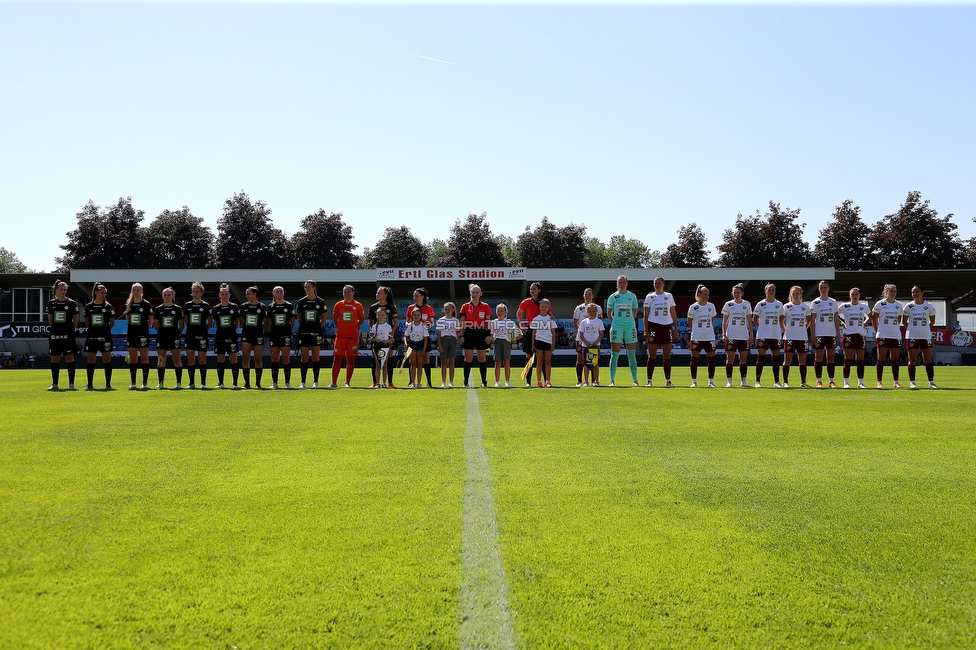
(486,621)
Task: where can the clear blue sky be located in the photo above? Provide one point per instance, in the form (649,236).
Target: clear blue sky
(628,119)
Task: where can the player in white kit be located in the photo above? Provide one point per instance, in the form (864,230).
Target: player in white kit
(737,332)
(701,319)
(855,315)
(919,318)
(660,329)
(825,332)
(795,326)
(768,317)
(887,316)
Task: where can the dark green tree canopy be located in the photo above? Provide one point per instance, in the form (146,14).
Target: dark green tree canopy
(472,244)
(105,239)
(247,238)
(690,251)
(549,247)
(177,239)
(843,244)
(774,239)
(916,238)
(324,241)
(397,247)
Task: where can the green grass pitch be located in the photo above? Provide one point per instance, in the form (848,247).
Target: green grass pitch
(625,517)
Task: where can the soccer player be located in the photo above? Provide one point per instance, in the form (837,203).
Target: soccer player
(701,317)
(311,313)
(853,341)
(887,316)
(417,337)
(737,332)
(581,312)
(139,316)
(590,332)
(622,309)
(660,329)
(427,317)
(768,317)
(62,316)
(198,315)
(348,314)
(795,326)
(168,317)
(543,327)
(527,310)
(447,342)
(254,323)
(386,303)
(474,318)
(504,333)
(826,330)
(381,336)
(227,316)
(99,316)
(281,313)
(920,319)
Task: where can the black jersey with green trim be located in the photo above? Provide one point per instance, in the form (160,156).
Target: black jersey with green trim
(253,317)
(62,313)
(137,315)
(281,316)
(225,317)
(168,320)
(197,317)
(309,313)
(99,318)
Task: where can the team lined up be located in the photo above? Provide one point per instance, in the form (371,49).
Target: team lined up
(473,329)
(778,327)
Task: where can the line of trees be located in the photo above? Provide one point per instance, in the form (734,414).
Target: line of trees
(113,237)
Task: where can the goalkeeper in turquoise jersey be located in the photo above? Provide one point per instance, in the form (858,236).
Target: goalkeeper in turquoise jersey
(622,307)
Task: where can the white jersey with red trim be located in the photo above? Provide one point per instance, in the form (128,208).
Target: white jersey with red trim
(889,319)
(770,314)
(701,318)
(738,316)
(796,321)
(919,319)
(657,308)
(824,312)
(855,318)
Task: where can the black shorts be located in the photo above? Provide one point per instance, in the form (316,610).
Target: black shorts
(137,340)
(543,346)
(279,341)
(98,344)
(474,338)
(226,346)
(306,340)
(164,342)
(198,342)
(61,344)
(253,340)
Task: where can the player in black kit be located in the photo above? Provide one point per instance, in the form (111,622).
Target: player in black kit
(254,319)
(99,316)
(139,315)
(197,314)
(226,315)
(311,312)
(169,325)
(62,316)
(281,313)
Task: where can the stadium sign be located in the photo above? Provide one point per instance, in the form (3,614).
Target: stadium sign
(475,273)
